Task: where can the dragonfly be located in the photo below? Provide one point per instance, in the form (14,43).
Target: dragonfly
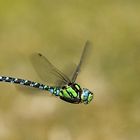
(62,86)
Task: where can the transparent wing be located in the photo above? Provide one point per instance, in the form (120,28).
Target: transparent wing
(69,69)
(47,71)
(85,53)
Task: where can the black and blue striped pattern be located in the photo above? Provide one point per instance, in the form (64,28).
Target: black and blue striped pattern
(53,90)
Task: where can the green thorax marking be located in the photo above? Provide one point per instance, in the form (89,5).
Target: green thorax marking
(71,92)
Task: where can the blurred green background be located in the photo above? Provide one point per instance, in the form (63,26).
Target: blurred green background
(59,29)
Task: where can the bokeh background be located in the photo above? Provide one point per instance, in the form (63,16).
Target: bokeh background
(59,29)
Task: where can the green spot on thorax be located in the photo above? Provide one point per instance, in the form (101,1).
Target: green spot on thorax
(72,91)
(77,86)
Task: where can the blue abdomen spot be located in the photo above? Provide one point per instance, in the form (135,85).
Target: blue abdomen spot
(51,90)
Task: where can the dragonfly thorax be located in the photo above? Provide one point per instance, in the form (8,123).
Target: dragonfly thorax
(74,94)
(71,93)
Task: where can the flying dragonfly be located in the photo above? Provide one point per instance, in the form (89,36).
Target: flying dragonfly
(63,87)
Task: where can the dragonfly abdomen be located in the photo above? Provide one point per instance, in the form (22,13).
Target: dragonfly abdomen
(54,90)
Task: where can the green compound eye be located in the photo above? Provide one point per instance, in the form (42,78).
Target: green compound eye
(90,97)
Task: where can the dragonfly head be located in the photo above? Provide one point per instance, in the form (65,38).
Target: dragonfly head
(86,96)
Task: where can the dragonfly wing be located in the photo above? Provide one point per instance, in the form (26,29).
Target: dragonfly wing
(84,55)
(47,71)
(70,69)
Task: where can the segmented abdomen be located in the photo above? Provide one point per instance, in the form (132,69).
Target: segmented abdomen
(53,90)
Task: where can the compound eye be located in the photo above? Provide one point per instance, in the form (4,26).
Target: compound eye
(84,97)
